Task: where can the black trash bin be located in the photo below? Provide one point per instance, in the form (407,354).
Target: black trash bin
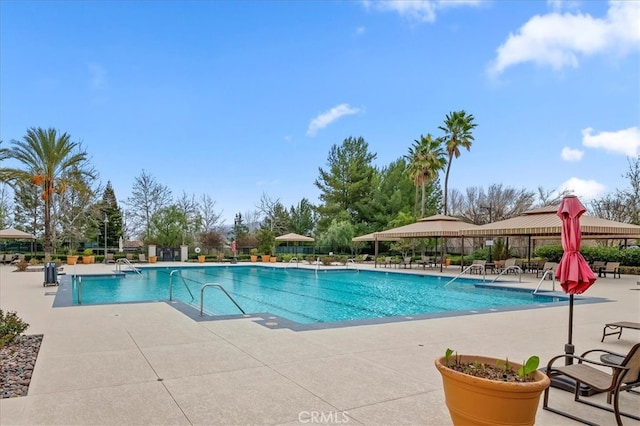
(50,274)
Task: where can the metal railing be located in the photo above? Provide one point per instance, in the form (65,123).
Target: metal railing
(553,277)
(171,285)
(79,289)
(206,285)
(122,260)
(465,270)
(506,270)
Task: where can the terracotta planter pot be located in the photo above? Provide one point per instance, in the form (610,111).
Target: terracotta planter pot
(254,258)
(266,258)
(88,259)
(72,260)
(274,259)
(476,401)
(201,259)
(153,259)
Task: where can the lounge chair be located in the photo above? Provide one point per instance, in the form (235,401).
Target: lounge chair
(17,259)
(6,258)
(426,261)
(110,258)
(623,376)
(406,262)
(477,267)
(511,266)
(548,266)
(142,258)
(129,257)
(388,261)
(617,328)
(610,267)
(597,265)
(365,258)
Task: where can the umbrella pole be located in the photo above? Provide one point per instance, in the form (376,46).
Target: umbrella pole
(569,349)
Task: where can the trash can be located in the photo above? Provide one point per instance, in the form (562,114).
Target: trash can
(50,274)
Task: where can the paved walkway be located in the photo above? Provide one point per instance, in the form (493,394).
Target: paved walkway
(148,364)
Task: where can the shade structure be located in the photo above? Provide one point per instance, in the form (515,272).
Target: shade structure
(573,272)
(294,238)
(433,226)
(544,221)
(371,237)
(15,234)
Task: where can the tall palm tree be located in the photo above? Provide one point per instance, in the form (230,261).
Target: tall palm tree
(4,154)
(458,126)
(425,159)
(52,162)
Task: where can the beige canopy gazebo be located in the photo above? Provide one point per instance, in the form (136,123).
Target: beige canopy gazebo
(15,234)
(433,226)
(544,222)
(296,238)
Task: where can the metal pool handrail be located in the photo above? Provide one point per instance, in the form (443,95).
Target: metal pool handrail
(354,264)
(507,269)
(171,285)
(553,276)
(124,260)
(79,278)
(223,290)
(484,274)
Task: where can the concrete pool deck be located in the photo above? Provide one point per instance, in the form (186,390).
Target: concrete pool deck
(148,363)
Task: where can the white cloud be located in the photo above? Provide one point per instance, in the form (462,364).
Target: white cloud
(584,189)
(626,141)
(97,76)
(326,118)
(569,154)
(360,30)
(559,40)
(417,10)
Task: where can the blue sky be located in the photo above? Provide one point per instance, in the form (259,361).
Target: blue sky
(237,99)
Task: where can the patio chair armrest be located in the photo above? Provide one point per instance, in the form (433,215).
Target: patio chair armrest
(603,351)
(583,360)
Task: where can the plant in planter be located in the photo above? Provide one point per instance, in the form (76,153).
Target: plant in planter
(483,390)
(254,254)
(72,257)
(88,257)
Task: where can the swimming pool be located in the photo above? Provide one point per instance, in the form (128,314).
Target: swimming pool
(304,296)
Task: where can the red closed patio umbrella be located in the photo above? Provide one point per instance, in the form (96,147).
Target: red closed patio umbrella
(573,272)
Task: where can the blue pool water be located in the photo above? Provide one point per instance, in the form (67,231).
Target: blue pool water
(304,296)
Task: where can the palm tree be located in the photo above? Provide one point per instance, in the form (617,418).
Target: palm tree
(4,154)
(457,128)
(52,162)
(425,159)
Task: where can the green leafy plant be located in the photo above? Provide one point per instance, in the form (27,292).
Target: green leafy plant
(529,367)
(501,371)
(11,326)
(87,252)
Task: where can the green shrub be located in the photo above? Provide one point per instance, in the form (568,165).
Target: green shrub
(10,326)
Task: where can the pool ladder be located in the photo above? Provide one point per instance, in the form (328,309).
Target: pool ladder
(465,270)
(171,285)
(207,285)
(122,260)
(553,277)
